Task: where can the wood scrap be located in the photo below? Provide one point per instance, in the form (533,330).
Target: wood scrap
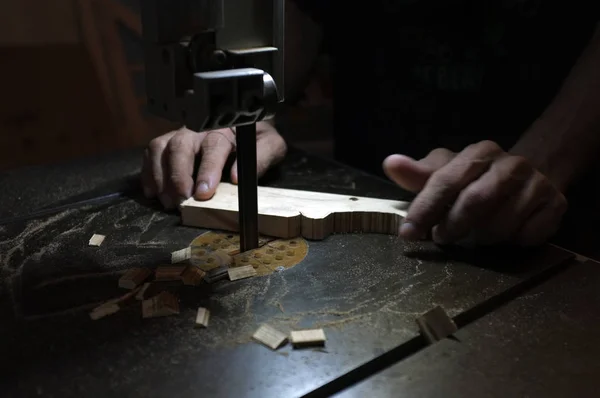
(96,240)
(216,274)
(306,338)
(202,317)
(169,273)
(269,336)
(163,304)
(436,325)
(287,213)
(142,293)
(182,255)
(241,272)
(104,310)
(113,306)
(193,276)
(134,277)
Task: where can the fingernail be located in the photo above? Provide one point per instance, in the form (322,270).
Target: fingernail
(409,231)
(203,187)
(438,237)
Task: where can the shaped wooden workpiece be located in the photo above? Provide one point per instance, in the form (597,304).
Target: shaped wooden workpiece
(287,213)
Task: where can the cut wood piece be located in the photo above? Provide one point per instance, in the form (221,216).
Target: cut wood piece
(286,213)
(202,317)
(436,325)
(104,310)
(96,240)
(304,338)
(142,293)
(236,273)
(134,277)
(269,336)
(169,273)
(182,255)
(164,304)
(193,276)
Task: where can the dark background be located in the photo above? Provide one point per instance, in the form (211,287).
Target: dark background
(72,85)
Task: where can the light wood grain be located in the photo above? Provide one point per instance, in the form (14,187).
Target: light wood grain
(436,325)
(269,336)
(236,273)
(313,337)
(202,317)
(286,213)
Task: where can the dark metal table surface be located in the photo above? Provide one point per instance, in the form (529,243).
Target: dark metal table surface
(364,290)
(542,344)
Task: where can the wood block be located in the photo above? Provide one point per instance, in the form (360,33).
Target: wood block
(436,325)
(182,255)
(104,310)
(164,304)
(269,336)
(142,293)
(96,240)
(169,273)
(202,317)
(302,338)
(193,276)
(286,213)
(134,277)
(236,273)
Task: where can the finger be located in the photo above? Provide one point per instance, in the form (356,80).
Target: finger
(155,153)
(543,223)
(516,211)
(181,152)
(270,150)
(411,174)
(216,147)
(443,187)
(148,184)
(478,203)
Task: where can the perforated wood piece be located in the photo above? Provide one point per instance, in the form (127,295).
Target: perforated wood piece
(286,213)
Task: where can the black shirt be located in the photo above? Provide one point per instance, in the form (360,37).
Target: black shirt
(413,75)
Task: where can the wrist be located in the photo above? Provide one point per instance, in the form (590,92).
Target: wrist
(541,145)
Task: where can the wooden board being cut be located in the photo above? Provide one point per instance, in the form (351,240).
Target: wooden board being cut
(287,213)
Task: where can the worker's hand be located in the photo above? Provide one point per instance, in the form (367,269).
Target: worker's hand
(481,193)
(167,172)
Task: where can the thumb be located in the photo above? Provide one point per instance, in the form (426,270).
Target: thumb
(411,174)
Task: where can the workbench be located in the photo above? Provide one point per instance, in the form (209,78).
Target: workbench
(522,314)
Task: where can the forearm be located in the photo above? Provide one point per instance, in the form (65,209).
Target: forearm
(565,139)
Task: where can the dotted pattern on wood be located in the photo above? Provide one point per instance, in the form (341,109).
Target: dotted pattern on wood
(274,256)
(216,249)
